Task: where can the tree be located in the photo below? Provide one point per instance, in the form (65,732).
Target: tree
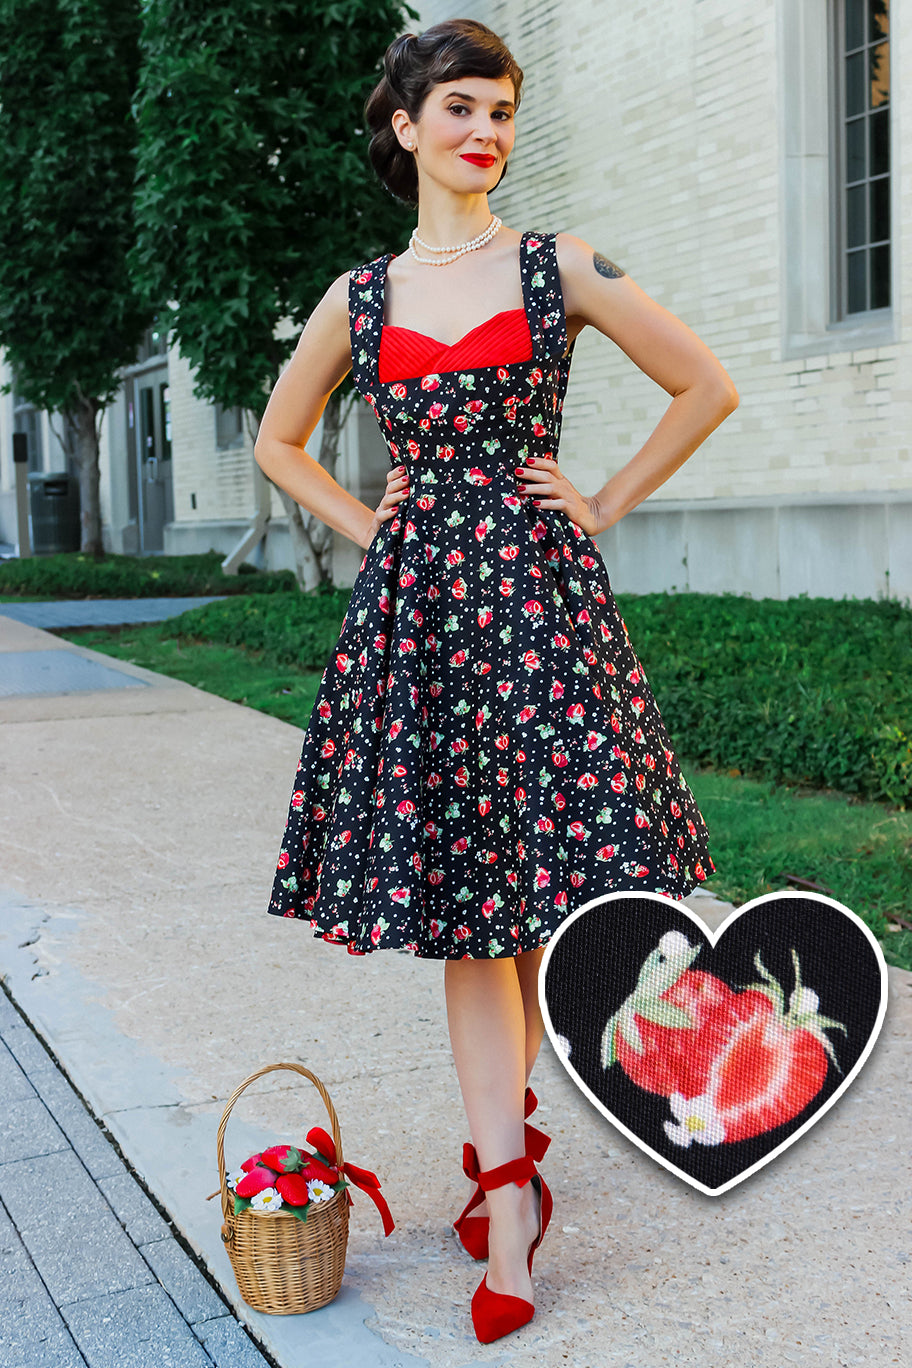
(255,190)
(69,317)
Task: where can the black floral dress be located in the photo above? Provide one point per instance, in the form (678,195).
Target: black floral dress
(484,754)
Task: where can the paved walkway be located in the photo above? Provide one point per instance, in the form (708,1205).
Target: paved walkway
(33,663)
(60,613)
(139,827)
(90,1272)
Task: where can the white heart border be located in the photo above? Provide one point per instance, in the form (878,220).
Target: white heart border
(713,937)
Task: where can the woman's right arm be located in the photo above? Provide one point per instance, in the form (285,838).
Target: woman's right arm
(320,363)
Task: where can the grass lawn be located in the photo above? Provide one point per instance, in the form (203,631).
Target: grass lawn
(860,852)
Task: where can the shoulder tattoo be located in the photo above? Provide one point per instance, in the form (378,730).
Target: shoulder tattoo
(605,267)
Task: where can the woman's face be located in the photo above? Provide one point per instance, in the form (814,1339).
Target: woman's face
(467,117)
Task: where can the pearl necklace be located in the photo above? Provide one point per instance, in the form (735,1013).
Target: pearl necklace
(454,253)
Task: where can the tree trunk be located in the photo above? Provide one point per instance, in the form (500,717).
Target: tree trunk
(83,425)
(311,538)
(306,561)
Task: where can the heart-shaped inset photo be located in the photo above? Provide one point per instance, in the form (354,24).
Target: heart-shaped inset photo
(713,1051)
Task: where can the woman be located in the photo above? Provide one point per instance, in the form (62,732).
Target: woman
(484,753)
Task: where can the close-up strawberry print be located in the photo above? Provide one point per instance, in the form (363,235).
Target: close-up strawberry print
(713,1055)
(733,1064)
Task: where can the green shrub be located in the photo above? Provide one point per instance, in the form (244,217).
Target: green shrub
(800,691)
(813,691)
(71,575)
(296,630)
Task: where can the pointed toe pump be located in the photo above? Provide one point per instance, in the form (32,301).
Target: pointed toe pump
(472,1231)
(495,1314)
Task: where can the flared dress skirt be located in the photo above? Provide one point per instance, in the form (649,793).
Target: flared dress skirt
(485,754)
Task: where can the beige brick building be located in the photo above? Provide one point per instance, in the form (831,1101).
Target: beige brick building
(745,164)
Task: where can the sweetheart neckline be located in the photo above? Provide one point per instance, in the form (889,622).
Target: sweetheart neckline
(450,346)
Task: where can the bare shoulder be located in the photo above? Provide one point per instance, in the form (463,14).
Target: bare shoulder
(335,300)
(581,265)
(580,258)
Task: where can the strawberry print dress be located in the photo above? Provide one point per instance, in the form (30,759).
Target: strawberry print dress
(485,753)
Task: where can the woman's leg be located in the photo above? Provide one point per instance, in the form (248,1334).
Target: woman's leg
(486,1011)
(527,967)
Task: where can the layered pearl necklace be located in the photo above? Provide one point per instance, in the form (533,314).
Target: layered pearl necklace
(448,254)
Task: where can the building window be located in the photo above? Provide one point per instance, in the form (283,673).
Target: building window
(27,419)
(229,427)
(862,32)
(154,342)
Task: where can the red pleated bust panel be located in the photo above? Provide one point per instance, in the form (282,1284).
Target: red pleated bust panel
(499,341)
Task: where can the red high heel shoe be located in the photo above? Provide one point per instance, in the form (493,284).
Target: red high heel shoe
(495,1314)
(472,1231)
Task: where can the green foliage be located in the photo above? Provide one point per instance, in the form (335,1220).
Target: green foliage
(860,851)
(299,631)
(68,314)
(75,576)
(857,852)
(254,188)
(892,757)
(801,691)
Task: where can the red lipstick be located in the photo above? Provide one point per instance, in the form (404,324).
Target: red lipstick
(477,159)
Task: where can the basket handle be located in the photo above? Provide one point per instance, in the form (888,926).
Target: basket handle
(227,1205)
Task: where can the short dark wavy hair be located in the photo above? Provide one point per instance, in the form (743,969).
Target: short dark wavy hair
(412,64)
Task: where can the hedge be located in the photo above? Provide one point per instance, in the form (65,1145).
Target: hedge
(799,691)
(813,691)
(71,575)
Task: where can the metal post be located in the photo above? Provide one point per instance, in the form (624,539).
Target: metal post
(20,461)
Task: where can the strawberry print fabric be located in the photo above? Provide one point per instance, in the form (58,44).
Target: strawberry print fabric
(484,753)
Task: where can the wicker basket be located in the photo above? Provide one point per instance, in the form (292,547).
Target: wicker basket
(284,1265)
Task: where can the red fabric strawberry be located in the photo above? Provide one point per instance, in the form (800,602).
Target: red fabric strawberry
(282,1158)
(323,1143)
(292,1188)
(257,1180)
(316,1169)
(251,1163)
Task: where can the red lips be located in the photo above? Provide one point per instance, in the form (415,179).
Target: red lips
(478,159)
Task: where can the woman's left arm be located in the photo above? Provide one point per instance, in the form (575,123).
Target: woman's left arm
(597,292)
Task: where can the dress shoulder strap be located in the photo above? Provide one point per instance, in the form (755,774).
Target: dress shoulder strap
(365,319)
(544,296)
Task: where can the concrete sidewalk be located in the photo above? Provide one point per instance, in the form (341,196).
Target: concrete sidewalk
(90,1272)
(140,826)
(60,613)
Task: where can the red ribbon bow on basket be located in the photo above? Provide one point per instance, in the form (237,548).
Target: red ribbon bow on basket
(368,1182)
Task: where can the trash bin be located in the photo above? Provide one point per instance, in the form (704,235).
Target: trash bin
(54,513)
